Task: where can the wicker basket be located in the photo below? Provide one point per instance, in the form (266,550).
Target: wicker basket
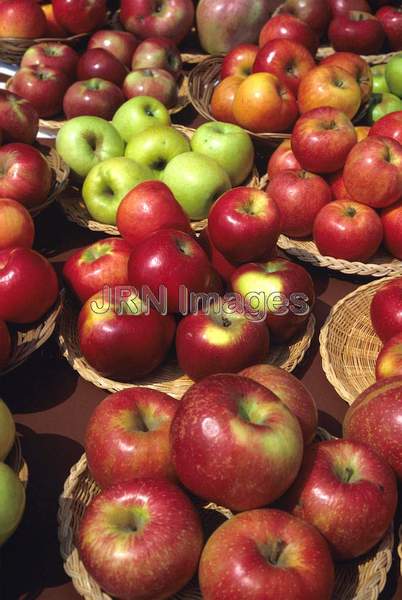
(13,49)
(168,378)
(348,344)
(60,174)
(76,211)
(27,339)
(16,461)
(361,580)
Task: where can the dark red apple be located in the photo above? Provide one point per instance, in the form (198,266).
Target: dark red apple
(52,55)
(80,16)
(386,310)
(342,7)
(358,32)
(315,13)
(19,120)
(158,18)
(95,97)
(98,62)
(5,345)
(157,53)
(119,43)
(290,28)
(43,87)
(390,18)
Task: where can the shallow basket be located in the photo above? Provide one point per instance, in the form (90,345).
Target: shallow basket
(28,338)
(362,579)
(13,49)
(168,377)
(16,461)
(76,211)
(60,175)
(348,344)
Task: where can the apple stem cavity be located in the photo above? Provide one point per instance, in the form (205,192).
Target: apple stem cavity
(272,552)
(350,211)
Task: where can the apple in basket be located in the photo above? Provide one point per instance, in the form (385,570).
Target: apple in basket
(235,417)
(7,427)
(12,504)
(337,185)
(98,62)
(80,16)
(16,225)
(94,97)
(5,345)
(156,83)
(356,66)
(137,114)
(262,550)
(389,363)
(128,436)
(315,13)
(167,18)
(119,43)
(239,61)
(157,53)
(19,120)
(121,335)
(223,98)
(290,28)
(391,218)
(356,31)
(389,126)
(386,310)
(222,266)
(348,492)
(53,28)
(391,20)
(282,159)
(341,7)
(54,55)
(132,562)
(22,19)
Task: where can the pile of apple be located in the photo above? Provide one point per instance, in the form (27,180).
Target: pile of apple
(242,441)
(386,319)
(388,87)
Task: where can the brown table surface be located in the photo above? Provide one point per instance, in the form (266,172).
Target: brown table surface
(51,405)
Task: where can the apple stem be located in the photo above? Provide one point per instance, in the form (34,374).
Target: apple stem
(347,475)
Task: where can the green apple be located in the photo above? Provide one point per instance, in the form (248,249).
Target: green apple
(156,146)
(12,502)
(229,145)
(83,142)
(383,104)
(7,430)
(393,75)
(196,181)
(107,183)
(137,114)
(379,84)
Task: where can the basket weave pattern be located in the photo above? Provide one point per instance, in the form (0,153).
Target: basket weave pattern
(60,174)
(13,49)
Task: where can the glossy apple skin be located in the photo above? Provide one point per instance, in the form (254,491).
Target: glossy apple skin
(157,53)
(291,392)
(119,43)
(28,285)
(21,19)
(389,126)
(239,61)
(222,265)
(389,360)
(19,120)
(316,13)
(373,171)
(103,263)
(217,417)
(141,539)
(149,207)
(148,18)
(390,18)
(348,492)
(98,62)
(5,345)
(80,16)
(264,104)
(286,59)
(288,290)
(375,418)
(300,196)
(320,88)
(337,185)
(25,174)
(243,559)
(128,436)
(348,230)
(358,32)
(386,310)
(53,29)
(157,83)
(391,218)
(342,7)
(53,55)
(223,98)
(16,225)
(356,66)
(137,341)
(244,225)
(290,28)
(169,258)
(220,339)
(282,159)
(93,97)
(43,87)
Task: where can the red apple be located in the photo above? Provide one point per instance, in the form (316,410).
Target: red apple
(282,159)
(127,436)
(52,55)
(290,28)
(235,417)
(375,418)
(43,87)
(28,285)
(389,126)
(120,337)
(337,185)
(322,139)
(21,19)
(386,310)
(19,121)
(389,360)
(286,59)
(80,16)
(96,97)
(98,62)
(239,61)
(391,218)
(141,539)
(315,13)
(244,225)
(5,345)
(342,7)
(53,28)
(373,171)
(158,18)
(291,392)
(223,267)
(16,225)
(147,208)
(157,53)
(119,43)
(223,97)
(347,230)
(265,550)
(358,32)
(173,260)
(25,175)
(390,18)
(356,66)
(220,338)
(103,263)
(280,289)
(300,196)
(348,492)
(157,83)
